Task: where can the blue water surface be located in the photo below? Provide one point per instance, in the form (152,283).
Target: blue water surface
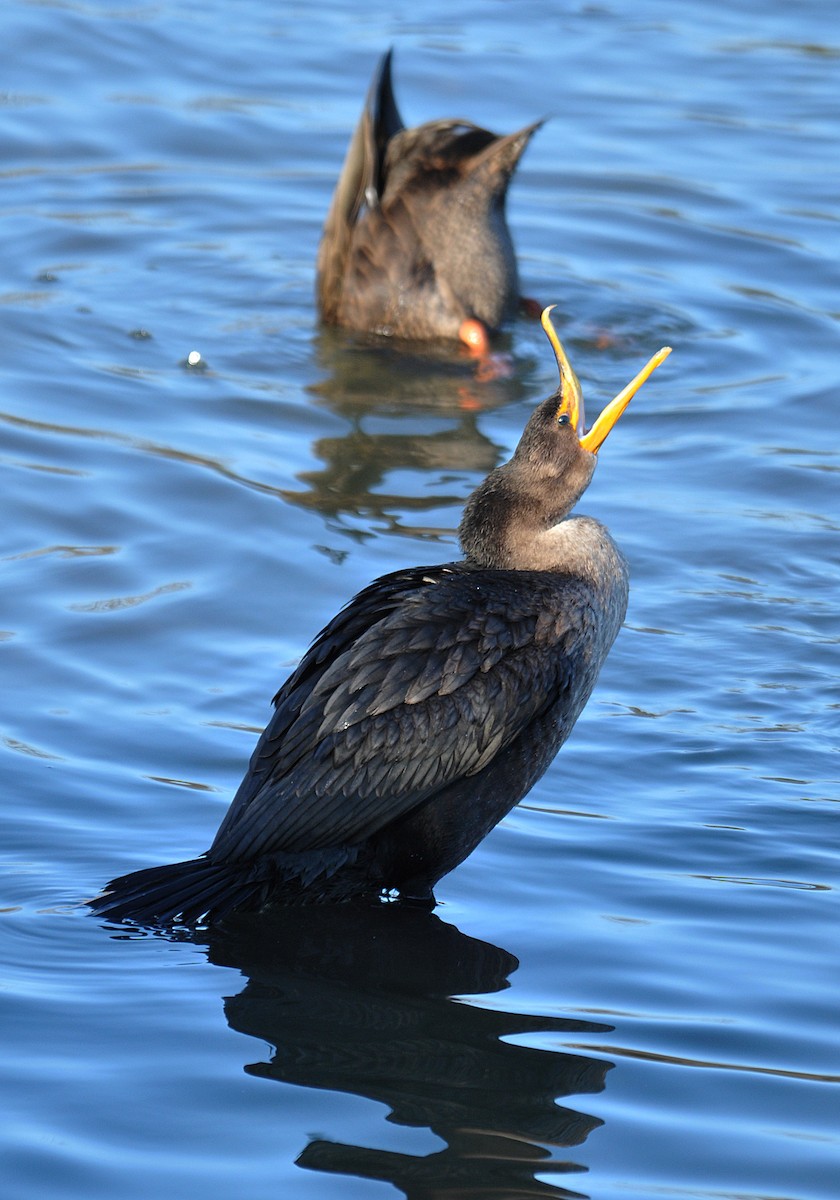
(630,988)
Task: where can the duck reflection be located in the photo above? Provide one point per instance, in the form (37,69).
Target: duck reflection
(369,1001)
(409,410)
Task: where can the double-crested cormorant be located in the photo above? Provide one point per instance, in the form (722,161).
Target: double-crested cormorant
(416,243)
(428,706)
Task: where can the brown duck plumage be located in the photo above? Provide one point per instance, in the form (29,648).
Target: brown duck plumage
(416,243)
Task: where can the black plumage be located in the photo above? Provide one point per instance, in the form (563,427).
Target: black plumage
(429,705)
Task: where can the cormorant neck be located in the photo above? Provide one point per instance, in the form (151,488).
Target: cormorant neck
(583,547)
(576,545)
(518,519)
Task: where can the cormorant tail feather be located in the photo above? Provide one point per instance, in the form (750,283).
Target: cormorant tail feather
(181,893)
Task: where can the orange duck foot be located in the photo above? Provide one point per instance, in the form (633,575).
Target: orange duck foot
(474,335)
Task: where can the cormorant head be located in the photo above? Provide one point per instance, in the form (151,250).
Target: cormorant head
(556,448)
(550,468)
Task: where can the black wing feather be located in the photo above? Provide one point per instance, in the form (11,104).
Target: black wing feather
(421,680)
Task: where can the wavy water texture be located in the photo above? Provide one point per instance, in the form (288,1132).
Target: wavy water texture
(629,989)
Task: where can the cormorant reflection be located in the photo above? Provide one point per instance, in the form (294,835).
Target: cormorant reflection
(369,1000)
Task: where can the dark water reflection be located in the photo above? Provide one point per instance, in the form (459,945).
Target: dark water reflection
(369,1001)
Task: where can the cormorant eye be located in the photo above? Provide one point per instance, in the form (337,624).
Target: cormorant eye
(562,418)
